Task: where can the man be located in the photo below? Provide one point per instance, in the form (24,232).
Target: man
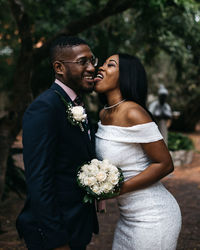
(54,215)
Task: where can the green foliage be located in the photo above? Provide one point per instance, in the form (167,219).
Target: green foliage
(15,178)
(9,46)
(165,35)
(178,141)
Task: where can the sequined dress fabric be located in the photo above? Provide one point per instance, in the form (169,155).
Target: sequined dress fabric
(150,219)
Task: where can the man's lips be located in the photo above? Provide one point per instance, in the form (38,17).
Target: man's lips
(89,78)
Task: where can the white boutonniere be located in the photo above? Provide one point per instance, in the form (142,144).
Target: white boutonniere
(75,114)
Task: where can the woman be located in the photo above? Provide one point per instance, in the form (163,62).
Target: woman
(150,217)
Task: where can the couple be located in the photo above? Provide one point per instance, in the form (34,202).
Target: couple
(54,216)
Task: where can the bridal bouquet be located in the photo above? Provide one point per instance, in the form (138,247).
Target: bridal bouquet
(100,180)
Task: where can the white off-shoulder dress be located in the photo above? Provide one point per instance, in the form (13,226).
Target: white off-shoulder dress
(150,218)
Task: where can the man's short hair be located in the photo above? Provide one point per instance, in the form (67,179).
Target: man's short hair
(64,42)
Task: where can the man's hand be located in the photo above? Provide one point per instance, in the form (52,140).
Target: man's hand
(66,247)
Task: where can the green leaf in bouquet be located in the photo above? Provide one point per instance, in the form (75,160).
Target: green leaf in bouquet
(87,198)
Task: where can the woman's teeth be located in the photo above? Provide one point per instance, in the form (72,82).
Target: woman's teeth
(100,76)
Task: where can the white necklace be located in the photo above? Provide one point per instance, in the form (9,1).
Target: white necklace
(112,106)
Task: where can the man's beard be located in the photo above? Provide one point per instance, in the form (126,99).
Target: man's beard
(75,83)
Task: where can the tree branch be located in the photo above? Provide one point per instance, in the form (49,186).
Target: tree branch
(22,75)
(111,8)
(23,25)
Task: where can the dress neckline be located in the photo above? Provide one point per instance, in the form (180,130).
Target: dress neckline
(115,126)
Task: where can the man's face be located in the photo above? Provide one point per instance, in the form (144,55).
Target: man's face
(75,73)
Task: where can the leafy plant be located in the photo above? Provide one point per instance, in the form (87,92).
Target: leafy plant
(178,141)
(15,177)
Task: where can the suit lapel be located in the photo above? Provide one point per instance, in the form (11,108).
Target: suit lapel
(84,134)
(56,87)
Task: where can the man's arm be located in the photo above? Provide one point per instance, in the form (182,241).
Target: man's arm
(40,140)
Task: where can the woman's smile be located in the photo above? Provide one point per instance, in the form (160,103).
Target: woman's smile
(99,77)
(108,75)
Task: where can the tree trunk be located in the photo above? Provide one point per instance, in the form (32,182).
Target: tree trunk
(21,94)
(10,124)
(4,151)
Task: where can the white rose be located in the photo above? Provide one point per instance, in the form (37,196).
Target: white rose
(92,170)
(104,167)
(95,162)
(106,162)
(107,187)
(101,176)
(113,176)
(96,189)
(86,181)
(85,168)
(78,113)
(91,181)
(113,181)
(81,178)
(113,169)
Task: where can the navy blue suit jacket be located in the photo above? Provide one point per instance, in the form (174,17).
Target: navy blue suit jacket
(53,150)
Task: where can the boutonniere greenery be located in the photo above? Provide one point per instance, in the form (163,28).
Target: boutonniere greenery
(75,114)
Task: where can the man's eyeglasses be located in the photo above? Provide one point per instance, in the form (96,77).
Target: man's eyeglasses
(85,61)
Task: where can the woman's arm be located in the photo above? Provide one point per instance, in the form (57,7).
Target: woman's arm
(161,166)
(156,151)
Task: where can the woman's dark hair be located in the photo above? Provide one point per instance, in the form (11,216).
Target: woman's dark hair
(132,79)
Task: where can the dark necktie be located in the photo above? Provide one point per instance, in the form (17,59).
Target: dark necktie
(78,101)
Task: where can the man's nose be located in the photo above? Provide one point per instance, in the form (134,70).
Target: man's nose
(90,67)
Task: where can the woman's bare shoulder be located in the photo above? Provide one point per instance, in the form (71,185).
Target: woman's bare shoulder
(134,114)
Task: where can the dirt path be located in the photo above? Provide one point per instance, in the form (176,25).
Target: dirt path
(183,183)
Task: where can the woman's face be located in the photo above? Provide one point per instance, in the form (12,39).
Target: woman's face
(107,78)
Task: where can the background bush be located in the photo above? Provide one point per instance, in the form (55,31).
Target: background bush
(178,141)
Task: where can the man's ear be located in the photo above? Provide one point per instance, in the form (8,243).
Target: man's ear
(58,68)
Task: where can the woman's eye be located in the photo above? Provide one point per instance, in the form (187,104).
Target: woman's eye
(110,65)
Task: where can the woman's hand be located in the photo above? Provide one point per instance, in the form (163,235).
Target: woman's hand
(123,189)
(101,206)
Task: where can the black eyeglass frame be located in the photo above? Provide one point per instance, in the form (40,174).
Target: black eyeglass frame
(93,61)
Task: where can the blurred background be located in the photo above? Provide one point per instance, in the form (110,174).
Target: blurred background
(164,34)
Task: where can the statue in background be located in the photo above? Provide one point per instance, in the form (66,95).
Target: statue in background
(162,112)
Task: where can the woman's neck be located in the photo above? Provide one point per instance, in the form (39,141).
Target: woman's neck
(113,98)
